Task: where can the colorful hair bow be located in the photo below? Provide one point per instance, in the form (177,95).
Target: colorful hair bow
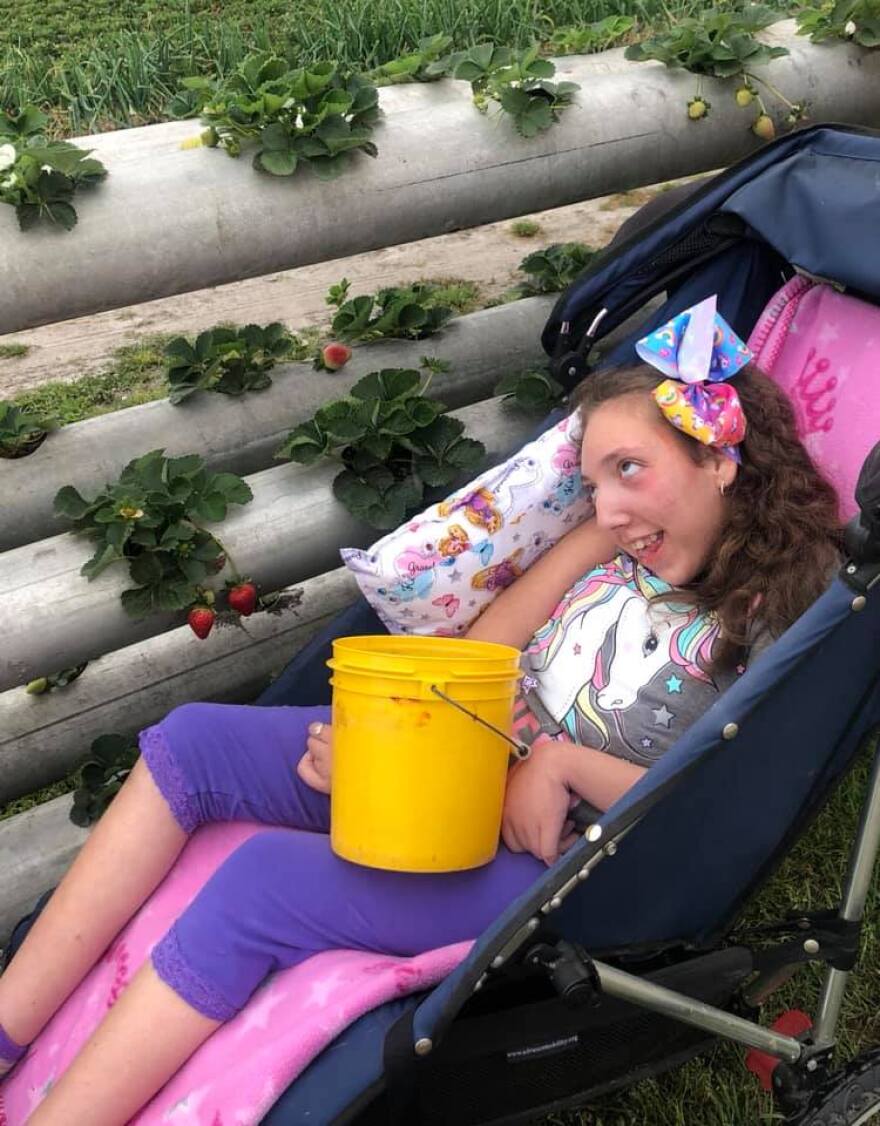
(696,351)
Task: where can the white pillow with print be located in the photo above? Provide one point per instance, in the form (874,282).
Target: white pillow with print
(438,572)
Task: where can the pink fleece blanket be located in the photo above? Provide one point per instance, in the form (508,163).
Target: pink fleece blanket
(246,1065)
(823,348)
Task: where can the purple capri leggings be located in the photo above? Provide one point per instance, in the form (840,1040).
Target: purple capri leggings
(282,895)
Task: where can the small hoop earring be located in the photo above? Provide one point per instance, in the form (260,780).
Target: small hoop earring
(722,488)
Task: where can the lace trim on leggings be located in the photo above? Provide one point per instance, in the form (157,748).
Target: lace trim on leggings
(169,778)
(175,971)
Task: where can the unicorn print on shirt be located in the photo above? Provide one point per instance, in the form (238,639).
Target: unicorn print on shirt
(609,639)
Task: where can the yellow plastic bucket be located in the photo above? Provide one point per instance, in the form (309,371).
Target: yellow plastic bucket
(417,785)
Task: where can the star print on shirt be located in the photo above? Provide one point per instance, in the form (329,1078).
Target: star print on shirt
(577,650)
(663,717)
(646,743)
(673,684)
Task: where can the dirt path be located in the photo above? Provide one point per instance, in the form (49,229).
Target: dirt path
(486,255)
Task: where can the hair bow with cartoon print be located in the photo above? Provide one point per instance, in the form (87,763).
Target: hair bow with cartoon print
(698,351)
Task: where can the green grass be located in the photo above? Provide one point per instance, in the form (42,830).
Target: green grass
(13,351)
(23,804)
(99,65)
(525,228)
(137,375)
(458,294)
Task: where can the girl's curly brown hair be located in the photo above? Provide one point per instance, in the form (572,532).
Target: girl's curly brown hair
(780,540)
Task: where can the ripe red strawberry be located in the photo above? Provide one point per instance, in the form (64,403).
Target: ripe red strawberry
(335,356)
(201,620)
(243,597)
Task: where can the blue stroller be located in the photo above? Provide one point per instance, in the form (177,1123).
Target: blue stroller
(624,959)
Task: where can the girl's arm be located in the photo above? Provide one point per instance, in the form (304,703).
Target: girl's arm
(539,792)
(512,617)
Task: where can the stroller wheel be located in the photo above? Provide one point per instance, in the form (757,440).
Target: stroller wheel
(849,1097)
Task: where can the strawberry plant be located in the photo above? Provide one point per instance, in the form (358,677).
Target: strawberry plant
(517,81)
(312,115)
(150,519)
(194,94)
(858,20)
(554,268)
(19,125)
(531,391)
(392,442)
(581,39)
(101,774)
(228,360)
(39,177)
(410,312)
(21,431)
(721,44)
(41,684)
(416,66)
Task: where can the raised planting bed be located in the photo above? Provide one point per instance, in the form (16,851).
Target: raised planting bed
(169,220)
(291,530)
(43,737)
(241,435)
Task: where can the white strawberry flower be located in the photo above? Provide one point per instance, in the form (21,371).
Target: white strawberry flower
(849,28)
(7,156)
(45,167)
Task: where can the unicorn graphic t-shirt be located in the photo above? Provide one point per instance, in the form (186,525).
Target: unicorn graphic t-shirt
(617,669)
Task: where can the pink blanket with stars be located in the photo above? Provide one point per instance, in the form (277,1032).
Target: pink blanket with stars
(237,1075)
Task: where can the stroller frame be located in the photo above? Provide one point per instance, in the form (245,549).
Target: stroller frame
(806,1055)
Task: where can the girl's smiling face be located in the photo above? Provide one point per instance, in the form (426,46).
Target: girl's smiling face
(663,508)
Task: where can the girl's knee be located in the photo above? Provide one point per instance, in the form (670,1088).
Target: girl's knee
(241,926)
(182,722)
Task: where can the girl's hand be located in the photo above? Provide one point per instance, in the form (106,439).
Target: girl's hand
(314,766)
(537,802)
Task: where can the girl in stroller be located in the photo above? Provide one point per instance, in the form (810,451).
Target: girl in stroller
(725,533)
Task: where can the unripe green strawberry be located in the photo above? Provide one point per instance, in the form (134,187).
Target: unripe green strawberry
(201,620)
(764,127)
(210,137)
(744,96)
(37,687)
(697,108)
(243,597)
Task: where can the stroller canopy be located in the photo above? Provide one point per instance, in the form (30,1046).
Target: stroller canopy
(807,203)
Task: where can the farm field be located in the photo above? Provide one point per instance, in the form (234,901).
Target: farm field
(97,66)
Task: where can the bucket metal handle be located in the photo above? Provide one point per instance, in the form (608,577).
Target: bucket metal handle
(521,750)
